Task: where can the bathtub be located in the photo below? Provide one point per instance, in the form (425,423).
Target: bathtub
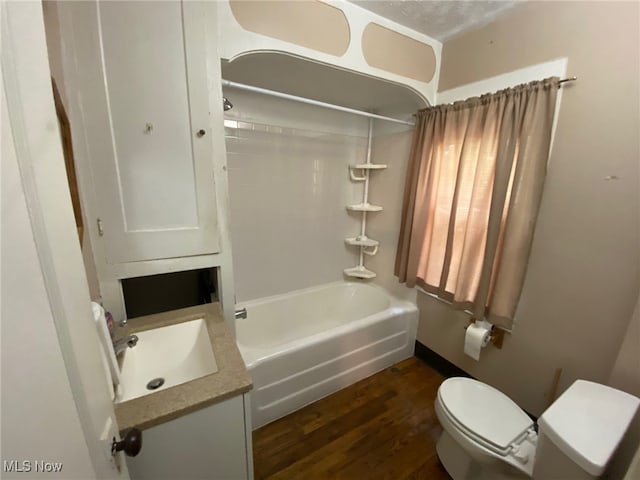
(306,344)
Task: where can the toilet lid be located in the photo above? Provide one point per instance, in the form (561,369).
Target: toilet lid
(488,414)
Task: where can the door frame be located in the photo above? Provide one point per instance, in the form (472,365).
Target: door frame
(38,146)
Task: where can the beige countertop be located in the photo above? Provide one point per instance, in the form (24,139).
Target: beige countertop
(230,380)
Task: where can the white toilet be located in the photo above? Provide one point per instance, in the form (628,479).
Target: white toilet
(487,436)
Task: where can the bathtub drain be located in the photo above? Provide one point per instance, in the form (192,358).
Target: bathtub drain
(155,383)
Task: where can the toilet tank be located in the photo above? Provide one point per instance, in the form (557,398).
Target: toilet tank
(581,430)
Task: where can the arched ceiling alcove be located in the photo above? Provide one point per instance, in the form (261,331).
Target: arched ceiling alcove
(307,78)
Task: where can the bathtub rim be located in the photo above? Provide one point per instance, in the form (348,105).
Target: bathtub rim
(322,286)
(396,307)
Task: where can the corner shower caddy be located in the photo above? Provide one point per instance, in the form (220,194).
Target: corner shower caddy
(368,246)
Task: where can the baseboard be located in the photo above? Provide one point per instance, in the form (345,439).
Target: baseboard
(440,364)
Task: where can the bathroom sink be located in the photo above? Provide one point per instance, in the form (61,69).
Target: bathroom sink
(165,357)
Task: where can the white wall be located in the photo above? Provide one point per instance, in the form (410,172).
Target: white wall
(39,416)
(54,47)
(288,186)
(38,150)
(55,52)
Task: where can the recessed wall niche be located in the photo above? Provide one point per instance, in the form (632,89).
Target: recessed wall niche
(169,291)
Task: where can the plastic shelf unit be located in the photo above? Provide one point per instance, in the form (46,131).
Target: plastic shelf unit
(368,166)
(362,242)
(359,272)
(364,168)
(364,207)
(367,246)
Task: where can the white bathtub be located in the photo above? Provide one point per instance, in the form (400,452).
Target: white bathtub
(306,344)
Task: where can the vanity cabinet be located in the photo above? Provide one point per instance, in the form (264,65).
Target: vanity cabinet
(213,443)
(151,149)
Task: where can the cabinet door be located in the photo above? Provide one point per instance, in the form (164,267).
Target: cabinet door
(206,444)
(155,192)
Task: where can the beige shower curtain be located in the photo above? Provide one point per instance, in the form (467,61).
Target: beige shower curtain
(472,193)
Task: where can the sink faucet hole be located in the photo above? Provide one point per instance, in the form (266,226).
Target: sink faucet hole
(155,383)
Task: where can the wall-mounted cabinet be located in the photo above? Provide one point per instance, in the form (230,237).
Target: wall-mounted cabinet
(142,84)
(151,160)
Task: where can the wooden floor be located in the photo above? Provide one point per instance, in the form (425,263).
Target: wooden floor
(383,427)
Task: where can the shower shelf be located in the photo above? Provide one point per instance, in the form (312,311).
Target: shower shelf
(362,242)
(368,166)
(364,207)
(359,272)
(364,168)
(367,246)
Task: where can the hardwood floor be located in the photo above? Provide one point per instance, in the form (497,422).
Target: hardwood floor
(383,427)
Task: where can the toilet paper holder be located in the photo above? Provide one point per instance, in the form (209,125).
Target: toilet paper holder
(496,337)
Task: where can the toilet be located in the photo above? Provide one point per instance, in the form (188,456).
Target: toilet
(486,436)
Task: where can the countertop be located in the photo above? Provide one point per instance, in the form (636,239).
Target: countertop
(230,380)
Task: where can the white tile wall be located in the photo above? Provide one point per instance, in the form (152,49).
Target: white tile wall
(288,187)
(386,188)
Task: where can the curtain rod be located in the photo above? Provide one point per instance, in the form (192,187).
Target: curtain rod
(568,79)
(273,93)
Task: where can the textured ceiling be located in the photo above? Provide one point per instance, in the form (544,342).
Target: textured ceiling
(439,19)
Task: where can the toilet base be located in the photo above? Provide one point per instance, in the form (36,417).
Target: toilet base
(455,460)
(461,466)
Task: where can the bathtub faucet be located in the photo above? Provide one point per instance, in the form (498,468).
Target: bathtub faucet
(241,313)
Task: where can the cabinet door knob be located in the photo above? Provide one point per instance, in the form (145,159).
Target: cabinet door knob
(201,133)
(131,443)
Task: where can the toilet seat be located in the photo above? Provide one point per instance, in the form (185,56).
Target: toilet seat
(485,415)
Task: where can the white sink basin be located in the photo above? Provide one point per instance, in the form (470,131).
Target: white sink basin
(176,353)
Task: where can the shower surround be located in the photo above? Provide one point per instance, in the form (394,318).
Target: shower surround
(308,332)
(288,185)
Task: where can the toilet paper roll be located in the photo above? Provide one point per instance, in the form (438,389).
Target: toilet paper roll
(477,336)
